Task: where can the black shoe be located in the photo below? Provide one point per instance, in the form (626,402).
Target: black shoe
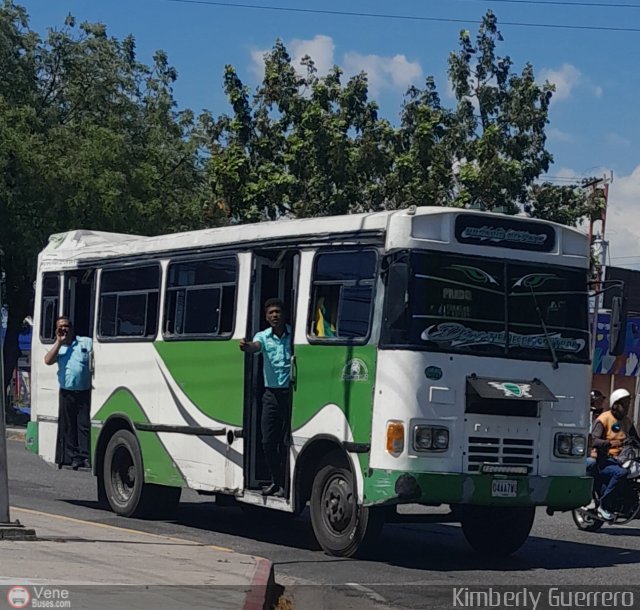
(76,464)
(273,490)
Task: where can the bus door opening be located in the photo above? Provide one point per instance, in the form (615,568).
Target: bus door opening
(273,278)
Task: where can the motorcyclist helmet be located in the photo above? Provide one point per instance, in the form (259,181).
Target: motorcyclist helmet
(618,395)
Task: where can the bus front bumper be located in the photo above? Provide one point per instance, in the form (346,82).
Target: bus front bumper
(558,492)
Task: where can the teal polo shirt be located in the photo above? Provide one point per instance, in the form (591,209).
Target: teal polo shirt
(74,365)
(276,353)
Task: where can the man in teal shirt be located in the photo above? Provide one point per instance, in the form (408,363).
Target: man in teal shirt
(274,344)
(73,355)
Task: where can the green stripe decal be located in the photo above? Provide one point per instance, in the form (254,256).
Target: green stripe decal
(342,375)
(210,373)
(158,466)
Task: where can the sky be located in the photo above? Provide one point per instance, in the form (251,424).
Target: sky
(594,127)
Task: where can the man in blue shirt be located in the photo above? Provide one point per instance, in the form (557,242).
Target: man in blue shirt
(73,355)
(274,344)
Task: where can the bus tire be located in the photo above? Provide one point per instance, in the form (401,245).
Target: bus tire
(497,531)
(341,526)
(123,476)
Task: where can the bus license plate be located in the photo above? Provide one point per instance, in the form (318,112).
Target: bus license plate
(504,488)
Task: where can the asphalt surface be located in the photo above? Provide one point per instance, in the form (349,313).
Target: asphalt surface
(409,559)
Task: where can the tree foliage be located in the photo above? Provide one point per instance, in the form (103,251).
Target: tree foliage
(303,145)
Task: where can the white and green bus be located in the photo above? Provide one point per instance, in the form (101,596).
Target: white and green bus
(441,357)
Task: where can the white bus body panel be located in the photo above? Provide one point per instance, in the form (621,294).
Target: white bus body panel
(403,393)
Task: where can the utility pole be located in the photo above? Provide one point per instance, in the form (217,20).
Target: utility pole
(599,246)
(4,477)
(8,530)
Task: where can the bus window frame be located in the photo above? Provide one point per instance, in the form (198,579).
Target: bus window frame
(314,339)
(171,337)
(57,299)
(532,356)
(128,339)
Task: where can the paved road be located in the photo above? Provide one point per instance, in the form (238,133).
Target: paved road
(409,559)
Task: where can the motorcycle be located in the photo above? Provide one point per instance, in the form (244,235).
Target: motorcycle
(625,505)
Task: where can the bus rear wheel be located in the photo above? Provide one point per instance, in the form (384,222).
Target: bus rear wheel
(123,480)
(342,527)
(497,531)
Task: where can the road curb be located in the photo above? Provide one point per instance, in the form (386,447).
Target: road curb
(262,591)
(16,434)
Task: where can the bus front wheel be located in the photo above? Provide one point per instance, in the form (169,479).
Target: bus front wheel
(342,527)
(497,531)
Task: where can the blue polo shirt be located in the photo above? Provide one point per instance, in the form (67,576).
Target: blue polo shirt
(276,353)
(74,365)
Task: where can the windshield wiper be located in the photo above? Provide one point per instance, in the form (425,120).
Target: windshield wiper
(554,358)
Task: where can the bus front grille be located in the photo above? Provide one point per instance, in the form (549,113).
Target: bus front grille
(499,451)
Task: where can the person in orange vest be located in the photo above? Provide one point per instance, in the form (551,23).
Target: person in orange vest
(610,431)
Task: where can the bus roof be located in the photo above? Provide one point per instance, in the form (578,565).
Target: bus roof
(73,247)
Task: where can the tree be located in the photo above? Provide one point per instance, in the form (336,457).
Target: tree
(489,150)
(424,154)
(304,145)
(89,138)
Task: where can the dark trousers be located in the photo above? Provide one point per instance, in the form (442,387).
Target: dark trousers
(274,424)
(73,426)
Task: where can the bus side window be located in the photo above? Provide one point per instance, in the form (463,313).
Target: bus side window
(342,295)
(200,298)
(129,303)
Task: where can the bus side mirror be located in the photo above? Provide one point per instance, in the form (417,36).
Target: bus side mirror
(618,327)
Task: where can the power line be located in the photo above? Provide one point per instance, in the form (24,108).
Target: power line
(287,9)
(563,3)
(559,179)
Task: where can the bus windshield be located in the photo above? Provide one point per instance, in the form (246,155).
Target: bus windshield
(470,305)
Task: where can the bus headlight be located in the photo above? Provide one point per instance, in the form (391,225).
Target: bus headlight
(430,438)
(569,445)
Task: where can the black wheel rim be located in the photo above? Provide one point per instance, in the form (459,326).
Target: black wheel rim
(338,504)
(123,475)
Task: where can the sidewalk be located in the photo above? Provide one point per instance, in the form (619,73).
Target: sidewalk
(102,566)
